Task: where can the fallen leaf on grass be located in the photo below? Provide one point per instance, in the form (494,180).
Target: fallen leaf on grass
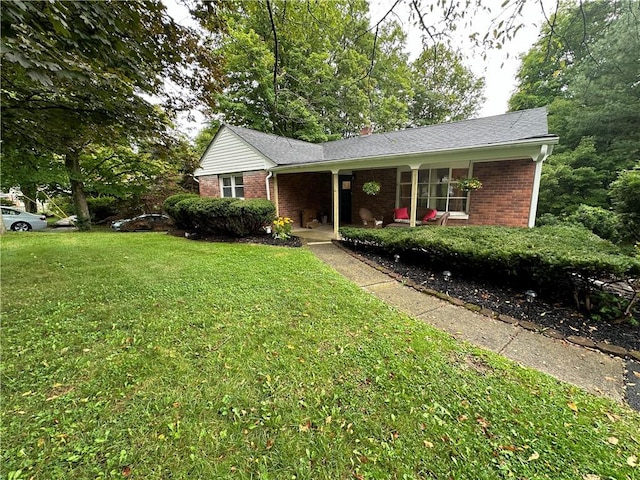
(590,476)
(632,461)
(270,443)
(428,444)
(534,456)
(126,471)
(573,406)
(637,374)
(612,440)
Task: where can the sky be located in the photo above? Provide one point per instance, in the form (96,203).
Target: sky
(499,68)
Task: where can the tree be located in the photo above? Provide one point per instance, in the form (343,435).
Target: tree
(320,72)
(625,193)
(77,73)
(583,68)
(565,42)
(444,90)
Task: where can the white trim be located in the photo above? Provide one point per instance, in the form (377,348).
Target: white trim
(515,150)
(233,186)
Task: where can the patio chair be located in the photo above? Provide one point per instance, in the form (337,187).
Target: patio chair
(443,219)
(368,220)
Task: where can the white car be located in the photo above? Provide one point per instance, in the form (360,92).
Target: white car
(19,221)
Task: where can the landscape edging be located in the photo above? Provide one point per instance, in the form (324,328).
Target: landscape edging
(606,348)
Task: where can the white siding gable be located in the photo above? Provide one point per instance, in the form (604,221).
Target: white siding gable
(229,153)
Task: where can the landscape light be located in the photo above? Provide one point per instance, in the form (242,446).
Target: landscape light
(396,257)
(446,275)
(531,295)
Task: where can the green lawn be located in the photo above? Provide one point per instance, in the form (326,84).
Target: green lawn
(149,356)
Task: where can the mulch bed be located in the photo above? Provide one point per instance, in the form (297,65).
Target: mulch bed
(263,239)
(505,301)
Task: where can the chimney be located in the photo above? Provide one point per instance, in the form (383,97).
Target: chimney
(366,131)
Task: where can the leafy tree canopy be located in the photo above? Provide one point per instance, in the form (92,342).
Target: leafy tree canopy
(320,71)
(84,73)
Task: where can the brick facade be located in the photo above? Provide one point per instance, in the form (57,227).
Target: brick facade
(380,205)
(254,185)
(302,191)
(504,199)
(209,186)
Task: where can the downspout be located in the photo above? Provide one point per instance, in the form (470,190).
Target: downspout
(545,151)
(266,182)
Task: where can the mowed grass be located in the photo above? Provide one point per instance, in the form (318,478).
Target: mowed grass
(149,356)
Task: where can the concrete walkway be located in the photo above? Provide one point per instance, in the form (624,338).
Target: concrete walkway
(591,370)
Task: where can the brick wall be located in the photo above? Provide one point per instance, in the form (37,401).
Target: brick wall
(380,205)
(504,199)
(301,191)
(209,186)
(505,196)
(254,185)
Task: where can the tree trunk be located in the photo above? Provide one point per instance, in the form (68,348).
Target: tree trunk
(29,192)
(72,164)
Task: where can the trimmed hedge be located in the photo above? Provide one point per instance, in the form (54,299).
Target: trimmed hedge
(226,216)
(169,207)
(554,259)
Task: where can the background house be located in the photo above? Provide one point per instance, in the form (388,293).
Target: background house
(416,168)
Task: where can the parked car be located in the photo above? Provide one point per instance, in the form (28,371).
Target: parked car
(155,222)
(20,221)
(66,222)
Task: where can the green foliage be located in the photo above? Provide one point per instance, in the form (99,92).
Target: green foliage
(555,260)
(625,193)
(102,207)
(580,67)
(444,89)
(227,216)
(179,216)
(602,222)
(329,73)
(77,75)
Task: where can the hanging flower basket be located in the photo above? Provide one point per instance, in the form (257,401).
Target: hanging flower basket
(468,184)
(371,188)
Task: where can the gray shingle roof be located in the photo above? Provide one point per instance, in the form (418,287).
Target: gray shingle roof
(498,129)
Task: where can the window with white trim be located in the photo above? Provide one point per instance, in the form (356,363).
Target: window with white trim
(232,186)
(437,188)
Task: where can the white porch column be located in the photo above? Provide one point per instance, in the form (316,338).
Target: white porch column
(336,204)
(414,196)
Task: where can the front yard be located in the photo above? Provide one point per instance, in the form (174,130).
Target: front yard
(149,356)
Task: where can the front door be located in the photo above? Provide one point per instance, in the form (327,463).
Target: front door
(345,198)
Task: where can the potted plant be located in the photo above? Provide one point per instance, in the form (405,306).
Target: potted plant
(371,188)
(468,184)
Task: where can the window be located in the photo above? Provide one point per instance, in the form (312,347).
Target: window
(232,186)
(437,188)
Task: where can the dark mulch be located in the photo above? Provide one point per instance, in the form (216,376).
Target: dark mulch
(507,301)
(259,238)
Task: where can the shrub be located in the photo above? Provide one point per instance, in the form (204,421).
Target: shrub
(227,216)
(600,221)
(169,207)
(561,262)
